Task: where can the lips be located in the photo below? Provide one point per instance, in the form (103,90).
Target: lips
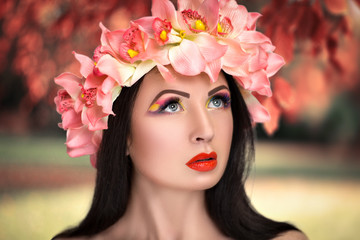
(203,162)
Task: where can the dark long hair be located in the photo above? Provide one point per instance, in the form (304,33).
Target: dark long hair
(226,202)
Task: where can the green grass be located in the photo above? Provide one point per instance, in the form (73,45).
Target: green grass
(36,151)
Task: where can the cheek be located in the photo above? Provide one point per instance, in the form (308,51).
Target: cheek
(154,143)
(223,126)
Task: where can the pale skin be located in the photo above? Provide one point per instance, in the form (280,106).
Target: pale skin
(167,197)
(167,200)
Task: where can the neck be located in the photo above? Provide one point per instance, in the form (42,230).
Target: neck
(160,212)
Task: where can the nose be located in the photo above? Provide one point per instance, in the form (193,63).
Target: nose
(201,127)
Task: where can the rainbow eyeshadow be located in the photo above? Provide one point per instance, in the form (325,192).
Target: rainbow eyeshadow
(223,96)
(160,105)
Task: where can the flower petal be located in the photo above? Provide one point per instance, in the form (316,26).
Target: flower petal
(186,58)
(120,72)
(275,112)
(244,82)
(71,119)
(240,71)
(238,16)
(235,56)
(257,81)
(93,160)
(213,69)
(210,49)
(70,83)
(104,31)
(275,62)
(227,4)
(116,92)
(107,85)
(79,142)
(105,101)
(257,111)
(91,116)
(283,93)
(143,68)
(258,60)
(158,53)
(164,9)
(188,4)
(253,37)
(182,25)
(210,10)
(251,21)
(145,23)
(106,47)
(93,81)
(165,73)
(87,64)
(114,40)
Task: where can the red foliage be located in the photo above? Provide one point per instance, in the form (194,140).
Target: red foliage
(36,41)
(314,37)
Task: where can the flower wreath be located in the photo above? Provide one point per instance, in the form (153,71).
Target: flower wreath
(201,36)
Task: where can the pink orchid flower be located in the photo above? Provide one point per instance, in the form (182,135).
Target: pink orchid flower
(249,57)
(192,50)
(80,140)
(65,106)
(161,30)
(83,100)
(90,96)
(97,94)
(85,104)
(122,54)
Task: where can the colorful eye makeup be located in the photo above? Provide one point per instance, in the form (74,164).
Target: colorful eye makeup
(219,101)
(168,105)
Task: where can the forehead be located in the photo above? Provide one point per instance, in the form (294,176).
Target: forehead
(154,81)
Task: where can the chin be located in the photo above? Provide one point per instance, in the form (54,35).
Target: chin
(205,181)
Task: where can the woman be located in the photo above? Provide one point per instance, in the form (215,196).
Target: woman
(173,159)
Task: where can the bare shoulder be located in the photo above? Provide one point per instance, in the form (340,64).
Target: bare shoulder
(291,235)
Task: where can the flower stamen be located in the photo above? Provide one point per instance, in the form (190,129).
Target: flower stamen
(132,53)
(199,25)
(182,34)
(89,95)
(219,29)
(224,26)
(195,21)
(163,35)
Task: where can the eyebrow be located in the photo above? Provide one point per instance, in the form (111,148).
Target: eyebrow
(185,94)
(211,92)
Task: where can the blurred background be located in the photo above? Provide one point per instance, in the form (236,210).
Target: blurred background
(307,168)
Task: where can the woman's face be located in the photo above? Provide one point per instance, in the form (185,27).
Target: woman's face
(181,131)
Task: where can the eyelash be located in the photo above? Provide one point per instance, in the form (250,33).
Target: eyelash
(167,103)
(224,97)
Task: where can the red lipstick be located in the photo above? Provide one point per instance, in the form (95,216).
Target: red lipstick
(203,162)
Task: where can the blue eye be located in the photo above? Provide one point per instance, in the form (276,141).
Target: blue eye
(219,101)
(172,105)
